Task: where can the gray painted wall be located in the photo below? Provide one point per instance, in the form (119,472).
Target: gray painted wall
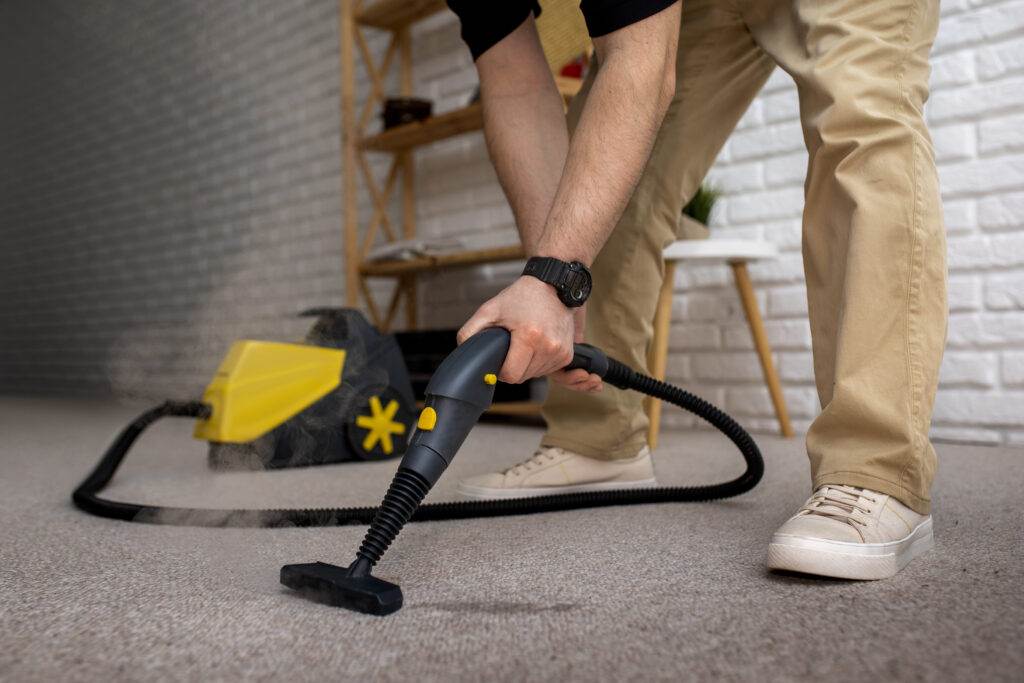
(169,181)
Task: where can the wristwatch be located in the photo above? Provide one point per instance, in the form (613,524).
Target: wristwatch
(572,280)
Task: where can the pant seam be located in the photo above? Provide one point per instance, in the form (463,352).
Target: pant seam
(914,269)
(618,306)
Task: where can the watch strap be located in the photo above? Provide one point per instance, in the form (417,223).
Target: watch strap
(546,269)
(570,280)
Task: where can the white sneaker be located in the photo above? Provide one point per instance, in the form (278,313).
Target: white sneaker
(556,470)
(850,533)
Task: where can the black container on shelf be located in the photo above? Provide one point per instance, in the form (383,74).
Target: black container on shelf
(402,110)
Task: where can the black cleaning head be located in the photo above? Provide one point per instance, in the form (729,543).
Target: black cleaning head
(354,587)
(342,587)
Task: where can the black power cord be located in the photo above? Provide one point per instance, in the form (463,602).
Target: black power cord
(407,499)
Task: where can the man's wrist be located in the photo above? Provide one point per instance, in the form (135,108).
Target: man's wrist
(571,281)
(563,254)
(534,284)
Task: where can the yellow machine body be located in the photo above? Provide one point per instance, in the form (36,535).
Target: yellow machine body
(261,384)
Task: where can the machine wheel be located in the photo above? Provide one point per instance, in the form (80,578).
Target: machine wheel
(380,426)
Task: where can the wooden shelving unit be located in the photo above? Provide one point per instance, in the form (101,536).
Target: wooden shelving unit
(394,14)
(401,138)
(449,124)
(517,409)
(455,260)
(508,409)
(396,17)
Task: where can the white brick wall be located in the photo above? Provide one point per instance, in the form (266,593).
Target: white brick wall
(169,175)
(977,118)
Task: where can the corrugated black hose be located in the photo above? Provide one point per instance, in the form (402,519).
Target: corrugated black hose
(407,498)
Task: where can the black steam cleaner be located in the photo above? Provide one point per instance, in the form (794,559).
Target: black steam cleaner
(259,386)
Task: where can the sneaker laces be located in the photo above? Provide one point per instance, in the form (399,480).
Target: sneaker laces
(839,502)
(541,457)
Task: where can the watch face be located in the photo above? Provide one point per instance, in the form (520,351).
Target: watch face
(581,291)
(579,285)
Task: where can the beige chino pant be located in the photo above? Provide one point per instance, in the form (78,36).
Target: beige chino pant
(873,238)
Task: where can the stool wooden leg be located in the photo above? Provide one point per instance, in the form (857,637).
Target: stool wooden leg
(764,353)
(657,357)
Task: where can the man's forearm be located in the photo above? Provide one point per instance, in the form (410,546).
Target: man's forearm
(610,146)
(609,149)
(525,129)
(566,200)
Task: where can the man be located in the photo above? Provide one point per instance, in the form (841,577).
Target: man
(645,129)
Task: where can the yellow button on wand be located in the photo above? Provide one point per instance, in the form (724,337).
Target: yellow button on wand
(490,378)
(428,418)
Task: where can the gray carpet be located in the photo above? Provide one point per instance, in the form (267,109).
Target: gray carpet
(645,593)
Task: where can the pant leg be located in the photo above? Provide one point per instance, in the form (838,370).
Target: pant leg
(719,71)
(874,242)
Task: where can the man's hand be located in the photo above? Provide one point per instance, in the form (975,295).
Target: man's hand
(543,332)
(542,329)
(578,379)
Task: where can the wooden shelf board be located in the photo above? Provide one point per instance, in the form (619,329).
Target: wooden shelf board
(419,133)
(394,14)
(508,408)
(457,259)
(442,126)
(516,409)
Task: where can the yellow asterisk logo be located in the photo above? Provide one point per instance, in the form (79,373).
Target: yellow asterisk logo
(380,425)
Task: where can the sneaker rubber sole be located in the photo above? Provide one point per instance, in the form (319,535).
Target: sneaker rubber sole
(485,493)
(845,560)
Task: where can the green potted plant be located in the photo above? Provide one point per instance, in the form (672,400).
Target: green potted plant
(697,212)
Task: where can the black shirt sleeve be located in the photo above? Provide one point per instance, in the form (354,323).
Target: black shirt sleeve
(607,16)
(487,22)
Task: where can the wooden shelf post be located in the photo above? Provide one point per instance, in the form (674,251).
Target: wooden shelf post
(408,281)
(349,135)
